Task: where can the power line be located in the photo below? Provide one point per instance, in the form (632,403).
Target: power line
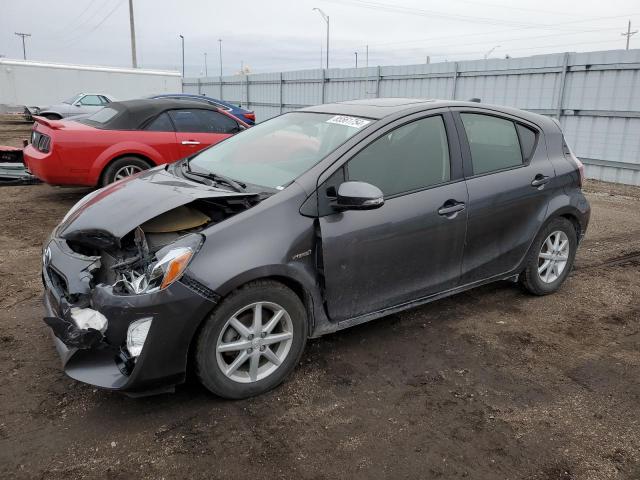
(494,32)
(385,7)
(95,27)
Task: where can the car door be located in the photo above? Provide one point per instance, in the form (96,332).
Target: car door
(160,134)
(410,247)
(199,128)
(510,179)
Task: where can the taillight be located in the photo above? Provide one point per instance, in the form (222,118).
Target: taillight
(250,116)
(569,153)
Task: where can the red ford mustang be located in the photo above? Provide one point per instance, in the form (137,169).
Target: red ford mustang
(122,139)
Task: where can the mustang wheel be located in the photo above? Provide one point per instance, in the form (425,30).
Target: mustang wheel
(551,257)
(123,168)
(252,340)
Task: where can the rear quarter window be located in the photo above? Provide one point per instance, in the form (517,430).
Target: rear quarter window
(527,141)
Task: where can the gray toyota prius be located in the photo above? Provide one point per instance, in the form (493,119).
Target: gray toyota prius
(316,220)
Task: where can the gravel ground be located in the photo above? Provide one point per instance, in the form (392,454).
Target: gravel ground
(488,384)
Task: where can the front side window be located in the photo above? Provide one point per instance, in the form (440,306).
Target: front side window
(493,142)
(91,100)
(411,157)
(277,151)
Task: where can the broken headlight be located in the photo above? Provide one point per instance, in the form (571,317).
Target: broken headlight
(169,265)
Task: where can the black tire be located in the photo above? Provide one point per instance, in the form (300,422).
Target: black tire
(207,368)
(109,174)
(530,279)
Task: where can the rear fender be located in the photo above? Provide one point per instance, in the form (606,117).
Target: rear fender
(124,149)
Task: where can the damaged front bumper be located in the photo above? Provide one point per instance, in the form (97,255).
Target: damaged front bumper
(101,359)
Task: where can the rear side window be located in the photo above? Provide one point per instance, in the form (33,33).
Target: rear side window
(203,121)
(162,123)
(411,157)
(493,142)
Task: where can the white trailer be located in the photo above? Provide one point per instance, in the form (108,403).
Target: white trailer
(42,83)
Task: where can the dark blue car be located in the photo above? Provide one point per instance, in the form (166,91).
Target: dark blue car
(246,116)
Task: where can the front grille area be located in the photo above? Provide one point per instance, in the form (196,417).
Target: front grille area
(41,141)
(199,288)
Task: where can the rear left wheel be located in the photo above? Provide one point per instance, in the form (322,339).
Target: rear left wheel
(252,341)
(551,257)
(122,168)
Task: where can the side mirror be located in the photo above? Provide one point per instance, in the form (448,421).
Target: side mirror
(358,196)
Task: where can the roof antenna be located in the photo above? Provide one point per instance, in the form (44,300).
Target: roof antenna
(475,99)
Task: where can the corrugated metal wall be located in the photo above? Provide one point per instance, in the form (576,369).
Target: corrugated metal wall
(596,95)
(40,84)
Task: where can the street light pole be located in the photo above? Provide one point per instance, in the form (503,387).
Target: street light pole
(206,72)
(220,44)
(486,55)
(325,17)
(182,40)
(356,59)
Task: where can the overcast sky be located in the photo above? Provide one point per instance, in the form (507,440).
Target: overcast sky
(274,35)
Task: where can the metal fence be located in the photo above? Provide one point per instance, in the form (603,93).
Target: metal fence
(595,95)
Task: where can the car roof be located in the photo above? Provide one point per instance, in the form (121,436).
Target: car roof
(379,108)
(132,114)
(195,95)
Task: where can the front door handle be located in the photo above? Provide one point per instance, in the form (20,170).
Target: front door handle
(451,207)
(190,142)
(539,180)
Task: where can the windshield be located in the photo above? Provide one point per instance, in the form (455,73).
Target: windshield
(71,100)
(276,152)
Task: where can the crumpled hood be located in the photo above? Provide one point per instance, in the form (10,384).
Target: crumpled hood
(108,214)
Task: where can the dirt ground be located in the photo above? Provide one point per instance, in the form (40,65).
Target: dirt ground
(489,384)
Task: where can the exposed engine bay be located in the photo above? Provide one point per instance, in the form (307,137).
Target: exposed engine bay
(138,262)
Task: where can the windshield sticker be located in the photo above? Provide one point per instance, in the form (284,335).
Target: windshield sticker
(347,121)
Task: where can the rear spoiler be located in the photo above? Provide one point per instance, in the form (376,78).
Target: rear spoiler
(53,124)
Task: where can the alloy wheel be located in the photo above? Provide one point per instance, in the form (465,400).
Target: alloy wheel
(553,256)
(126,171)
(254,342)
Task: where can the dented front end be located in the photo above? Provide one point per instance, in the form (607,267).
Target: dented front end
(122,307)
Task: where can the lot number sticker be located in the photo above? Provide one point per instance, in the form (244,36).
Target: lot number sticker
(347,121)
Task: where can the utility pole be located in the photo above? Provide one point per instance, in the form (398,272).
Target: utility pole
(24,48)
(325,17)
(627,34)
(356,59)
(182,40)
(367,57)
(132,26)
(206,72)
(220,44)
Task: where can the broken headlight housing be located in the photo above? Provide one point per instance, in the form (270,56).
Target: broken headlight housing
(169,264)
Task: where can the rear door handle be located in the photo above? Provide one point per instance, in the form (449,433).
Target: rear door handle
(190,142)
(539,180)
(450,207)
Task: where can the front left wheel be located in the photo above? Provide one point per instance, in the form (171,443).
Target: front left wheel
(252,341)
